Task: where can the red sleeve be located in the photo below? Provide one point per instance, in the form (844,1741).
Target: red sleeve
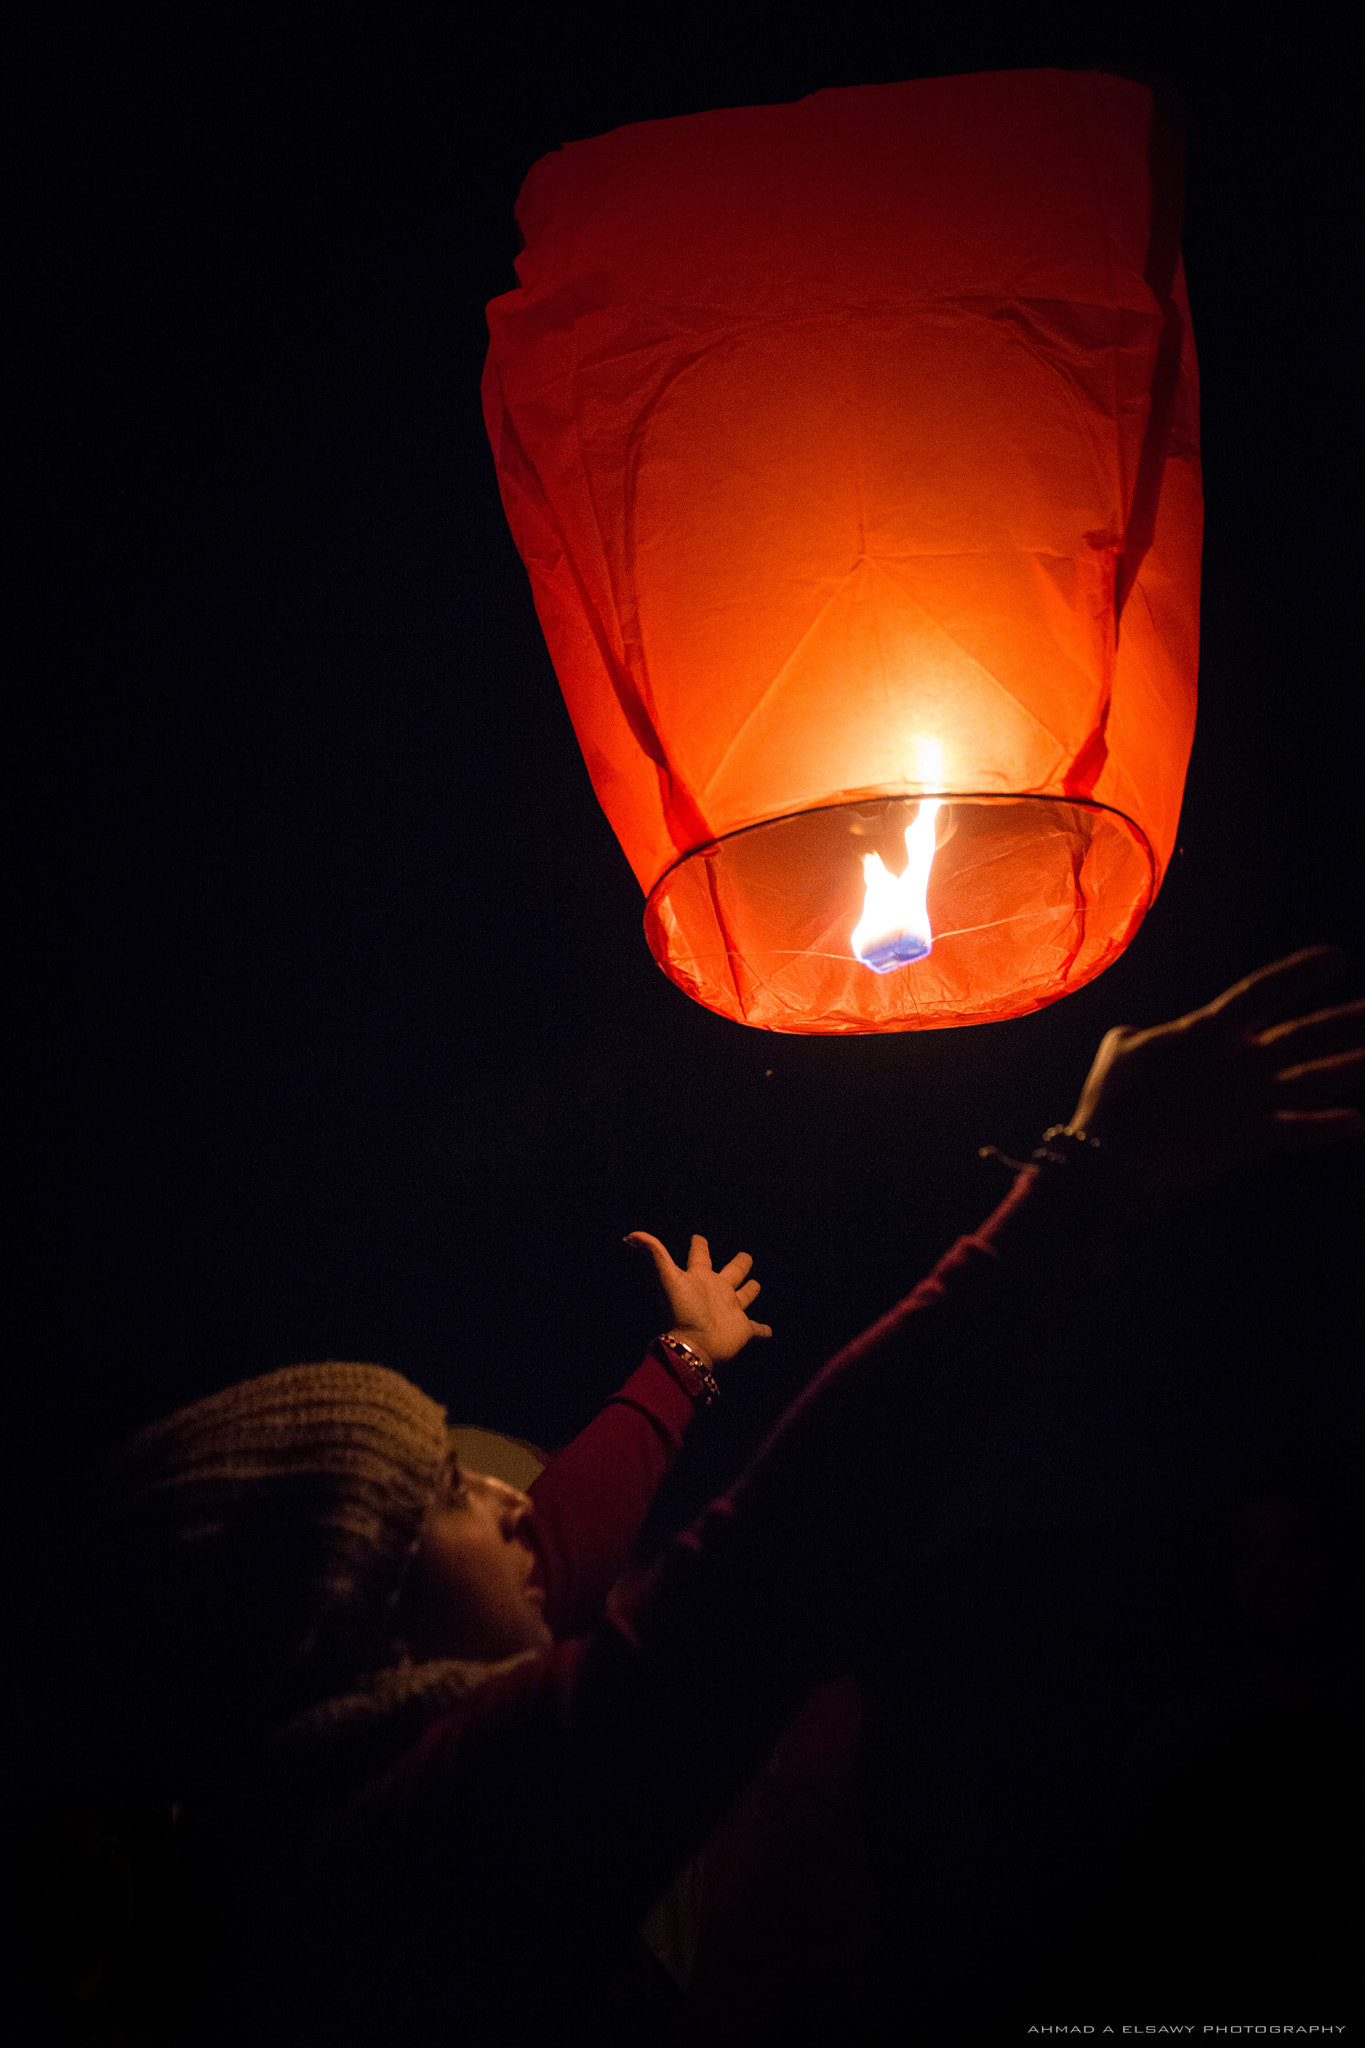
(592,1498)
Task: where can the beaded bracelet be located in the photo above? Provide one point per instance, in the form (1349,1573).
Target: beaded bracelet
(1091,1181)
(692,1372)
(1061,1147)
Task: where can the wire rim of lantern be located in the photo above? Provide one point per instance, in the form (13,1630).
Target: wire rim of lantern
(1038,895)
(900,796)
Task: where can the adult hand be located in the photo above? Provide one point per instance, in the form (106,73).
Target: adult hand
(1184,1101)
(707,1307)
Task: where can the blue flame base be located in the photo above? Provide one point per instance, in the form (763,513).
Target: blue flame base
(895,953)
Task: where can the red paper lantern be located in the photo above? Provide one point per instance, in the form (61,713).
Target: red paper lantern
(851,446)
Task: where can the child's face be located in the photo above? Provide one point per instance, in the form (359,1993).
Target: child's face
(474,1590)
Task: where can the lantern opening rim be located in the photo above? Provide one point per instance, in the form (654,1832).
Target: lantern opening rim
(728,927)
(945,796)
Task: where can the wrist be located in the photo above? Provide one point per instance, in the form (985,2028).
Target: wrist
(685,1356)
(1075,1182)
(1091,1185)
(688,1334)
(1108,1154)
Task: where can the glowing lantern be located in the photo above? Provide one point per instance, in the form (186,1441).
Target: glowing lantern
(851,446)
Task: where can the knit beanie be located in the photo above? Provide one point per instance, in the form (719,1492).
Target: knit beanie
(259,1539)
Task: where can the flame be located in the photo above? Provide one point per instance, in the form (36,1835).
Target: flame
(894,927)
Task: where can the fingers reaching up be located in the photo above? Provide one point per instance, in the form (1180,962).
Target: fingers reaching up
(1256,999)
(708,1306)
(1227,1083)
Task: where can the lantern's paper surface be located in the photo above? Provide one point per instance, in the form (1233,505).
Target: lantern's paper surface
(834,430)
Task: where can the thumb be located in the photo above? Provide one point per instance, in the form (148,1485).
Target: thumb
(658,1252)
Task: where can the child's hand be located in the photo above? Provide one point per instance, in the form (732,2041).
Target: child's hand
(707,1307)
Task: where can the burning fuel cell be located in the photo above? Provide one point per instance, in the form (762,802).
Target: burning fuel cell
(894,929)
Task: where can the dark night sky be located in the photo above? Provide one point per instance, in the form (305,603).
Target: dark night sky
(345,1039)
(341,1035)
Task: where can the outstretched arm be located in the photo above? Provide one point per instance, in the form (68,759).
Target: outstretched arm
(618,1753)
(1171,1106)
(813,1552)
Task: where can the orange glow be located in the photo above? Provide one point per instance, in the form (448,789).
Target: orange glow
(820,426)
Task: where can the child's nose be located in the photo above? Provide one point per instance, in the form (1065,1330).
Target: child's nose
(515,1505)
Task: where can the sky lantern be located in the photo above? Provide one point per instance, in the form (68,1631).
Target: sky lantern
(851,446)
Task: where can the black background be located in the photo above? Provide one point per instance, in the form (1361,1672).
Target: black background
(342,1037)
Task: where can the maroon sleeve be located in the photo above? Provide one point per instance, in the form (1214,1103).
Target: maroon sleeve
(592,1498)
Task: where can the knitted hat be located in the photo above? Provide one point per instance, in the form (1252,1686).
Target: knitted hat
(262,1536)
